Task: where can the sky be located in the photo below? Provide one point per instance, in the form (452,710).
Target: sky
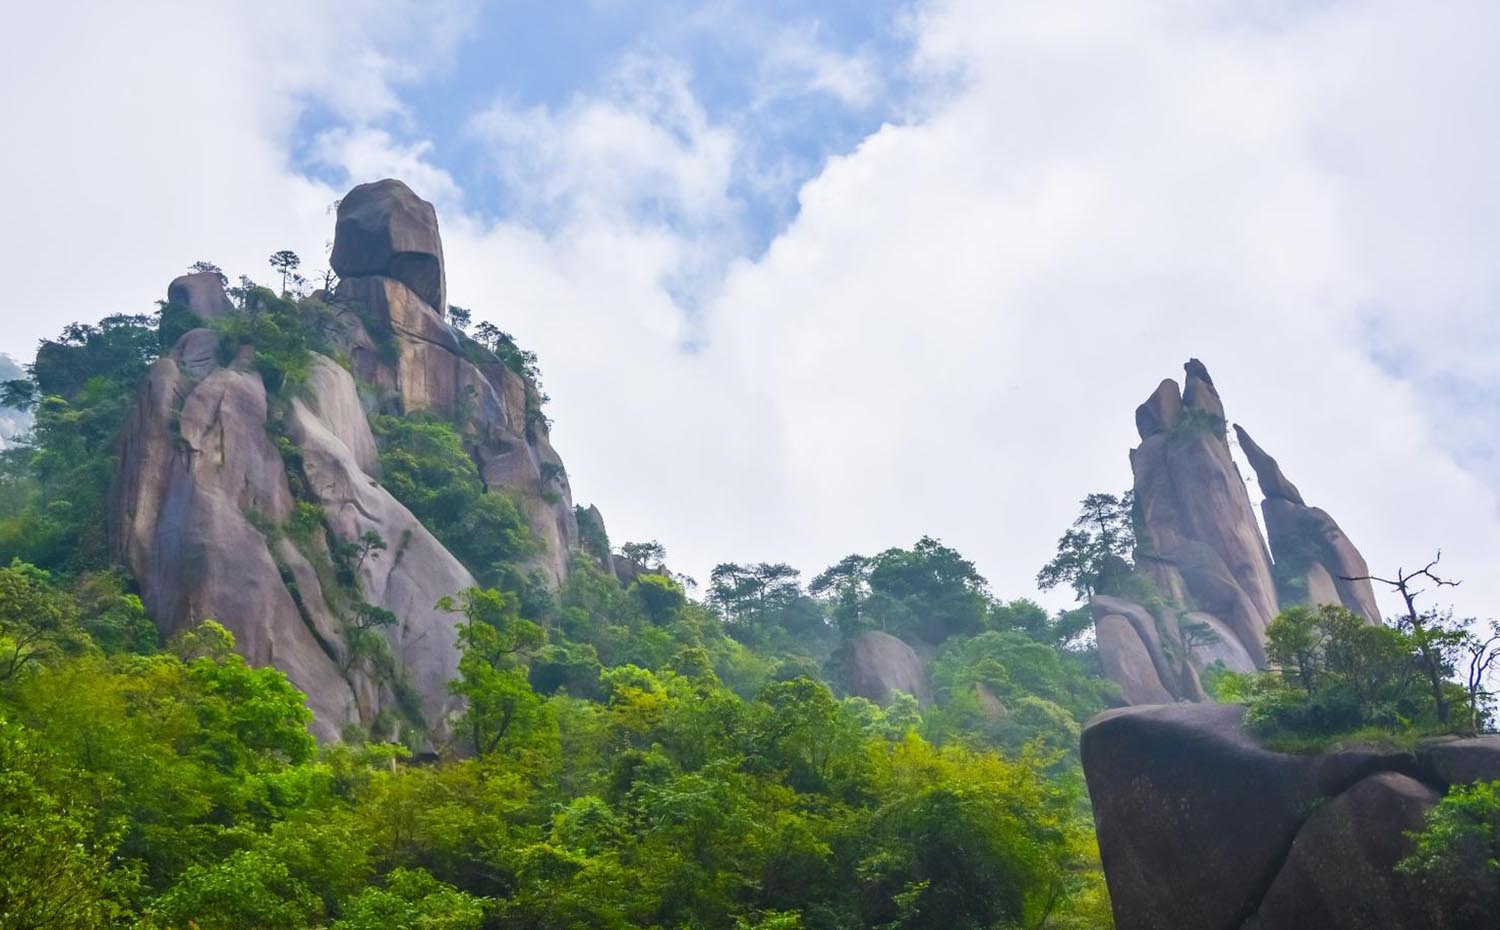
(816,278)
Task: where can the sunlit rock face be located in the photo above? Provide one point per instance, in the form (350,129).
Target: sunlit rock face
(386,230)
(212,469)
(1202,828)
(1206,585)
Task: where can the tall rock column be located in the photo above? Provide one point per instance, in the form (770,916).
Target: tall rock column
(393,291)
(1205,586)
(1197,538)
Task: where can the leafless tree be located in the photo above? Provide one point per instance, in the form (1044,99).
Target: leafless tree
(1435,638)
(1482,652)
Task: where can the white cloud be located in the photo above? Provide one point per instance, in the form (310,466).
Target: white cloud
(799,62)
(644,149)
(953,333)
(148,137)
(365,154)
(958,324)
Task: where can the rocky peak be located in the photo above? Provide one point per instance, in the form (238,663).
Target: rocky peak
(386,230)
(1198,391)
(1273,484)
(217,472)
(1161,410)
(1205,584)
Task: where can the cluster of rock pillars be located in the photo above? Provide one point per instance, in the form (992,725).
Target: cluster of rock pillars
(1200,827)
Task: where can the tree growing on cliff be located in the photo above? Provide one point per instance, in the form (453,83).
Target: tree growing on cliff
(286,263)
(497,642)
(200,266)
(1480,650)
(649,555)
(1456,855)
(1096,549)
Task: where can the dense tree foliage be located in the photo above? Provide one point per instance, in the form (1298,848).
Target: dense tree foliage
(1335,674)
(53,487)
(179,788)
(1093,553)
(928,592)
(424,464)
(1456,856)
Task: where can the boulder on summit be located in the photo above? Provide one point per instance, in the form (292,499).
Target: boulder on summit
(384,229)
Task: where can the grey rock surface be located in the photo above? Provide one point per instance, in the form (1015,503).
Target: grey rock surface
(877,664)
(1201,562)
(408,578)
(190,502)
(384,229)
(203,293)
(1307,543)
(1201,827)
(1126,660)
(1340,873)
(202,502)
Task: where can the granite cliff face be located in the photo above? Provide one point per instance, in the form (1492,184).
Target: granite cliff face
(1202,828)
(1205,584)
(213,471)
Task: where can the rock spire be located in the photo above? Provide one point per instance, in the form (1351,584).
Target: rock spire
(1206,585)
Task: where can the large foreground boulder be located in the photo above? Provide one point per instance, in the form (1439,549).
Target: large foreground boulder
(1341,871)
(1202,828)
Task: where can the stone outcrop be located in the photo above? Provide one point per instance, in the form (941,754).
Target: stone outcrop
(216,477)
(203,293)
(1202,828)
(1314,559)
(385,230)
(200,478)
(877,664)
(1198,540)
(411,361)
(415,572)
(1205,585)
